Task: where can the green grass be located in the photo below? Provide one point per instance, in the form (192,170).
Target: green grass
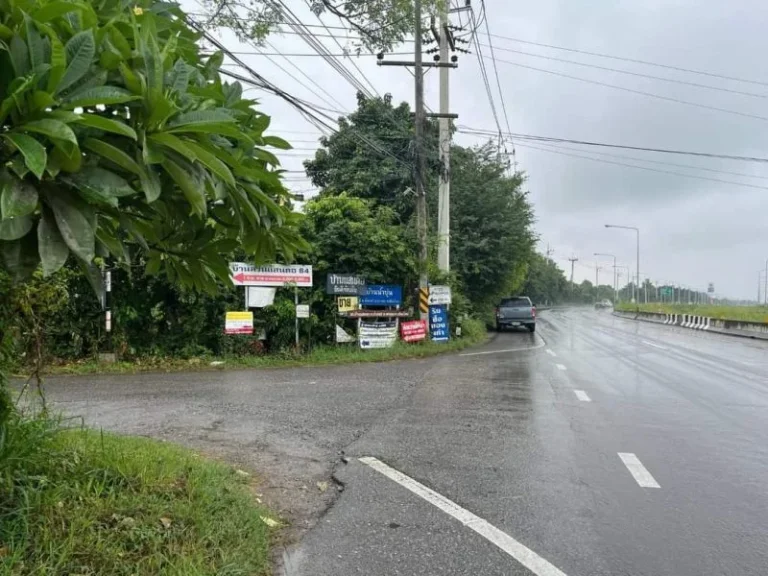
(744,313)
(473,333)
(89,504)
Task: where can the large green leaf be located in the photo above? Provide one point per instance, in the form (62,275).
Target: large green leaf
(67,160)
(53,10)
(15,228)
(80,51)
(214,164)
(51,128)
(113,154)
(106,125)
(33,152)
(174,143)
(74,225)
(224,129)
(95,279)
(20,257)
(34,44)
(98,95)
(178,78)
(201,117)
(102,182)
(276,142)
(50,244)
(150,183)
(191,187)
(18,198)
(19,56)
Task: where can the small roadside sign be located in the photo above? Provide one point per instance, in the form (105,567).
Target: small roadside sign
(347,303)
(413,331)
(302,310)
(380,313)
(276,275)
(238,323)
(344,284)
(438,323)
(439,295)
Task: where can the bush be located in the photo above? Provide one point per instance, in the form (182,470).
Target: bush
(79,502)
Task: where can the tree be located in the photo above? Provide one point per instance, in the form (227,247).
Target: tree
(353,235)
(380,23)
(491,217)
(545,282)
(491,225)
(119,138)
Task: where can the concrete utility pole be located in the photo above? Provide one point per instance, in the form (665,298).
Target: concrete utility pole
(419,168)
(444,193)
(765,287)
(636,286)
(573,261)
(615,276)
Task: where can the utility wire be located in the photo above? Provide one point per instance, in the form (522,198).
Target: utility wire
(640,92)
(627,72)
(644,167)
(634,60)
(484,74)
(496,69)
(530,137)
(352,61)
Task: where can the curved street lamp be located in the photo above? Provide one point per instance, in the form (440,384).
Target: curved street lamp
(635,287)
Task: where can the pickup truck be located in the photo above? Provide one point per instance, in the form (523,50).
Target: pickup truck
(516,311)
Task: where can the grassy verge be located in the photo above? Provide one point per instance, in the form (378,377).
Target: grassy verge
(84,503)
(473,333)
(744,313)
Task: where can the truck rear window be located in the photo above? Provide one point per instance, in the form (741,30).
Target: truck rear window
(515,302)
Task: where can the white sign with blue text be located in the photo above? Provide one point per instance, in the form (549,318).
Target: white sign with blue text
(438,323)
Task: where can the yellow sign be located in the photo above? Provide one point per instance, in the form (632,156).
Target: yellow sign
(347,303)
(238,323)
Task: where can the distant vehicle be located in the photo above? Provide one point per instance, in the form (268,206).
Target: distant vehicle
(515,312)
(604,304)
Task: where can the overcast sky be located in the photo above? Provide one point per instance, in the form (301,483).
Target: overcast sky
(693,231)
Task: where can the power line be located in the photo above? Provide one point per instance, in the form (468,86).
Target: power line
(530,137)
(484,74)
(627,72)
(495,68)
(644,167)
(634,60)
(640,92)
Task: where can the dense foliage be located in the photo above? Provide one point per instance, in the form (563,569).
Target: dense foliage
(118,137)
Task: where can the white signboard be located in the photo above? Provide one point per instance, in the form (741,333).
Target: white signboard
(277,275)
(258,297)
(439,295)
(377,334)
(302,310)
(342,337)
(238,323)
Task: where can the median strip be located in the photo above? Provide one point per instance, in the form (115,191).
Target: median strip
(639,472)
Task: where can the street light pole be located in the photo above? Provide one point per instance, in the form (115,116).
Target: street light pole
(637,231)
(615,277)
(765,286)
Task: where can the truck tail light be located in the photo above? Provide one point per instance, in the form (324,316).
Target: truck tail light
(533,311)
(496,310)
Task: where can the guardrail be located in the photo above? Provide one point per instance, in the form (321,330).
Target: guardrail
(742,328)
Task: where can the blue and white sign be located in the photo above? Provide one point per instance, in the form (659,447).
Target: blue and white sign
(382,295)
(438,323)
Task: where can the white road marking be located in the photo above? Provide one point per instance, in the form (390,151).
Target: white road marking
(539,345)
(581,395)
(560,367)
(638,471)
(502,540)
(551,353)
(655,345)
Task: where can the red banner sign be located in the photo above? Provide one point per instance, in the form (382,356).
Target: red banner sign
(413,331)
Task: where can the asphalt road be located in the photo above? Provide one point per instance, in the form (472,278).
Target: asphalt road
(597,446)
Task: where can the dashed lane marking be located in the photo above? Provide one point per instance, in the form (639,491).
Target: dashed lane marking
(551,353)
(560,367)
(655,345)
(524,555)
(538,345)
(639,472)
(581,395)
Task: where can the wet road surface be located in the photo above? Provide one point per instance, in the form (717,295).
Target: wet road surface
(597,446)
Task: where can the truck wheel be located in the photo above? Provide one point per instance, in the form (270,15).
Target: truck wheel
(532,327)
(498,327)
